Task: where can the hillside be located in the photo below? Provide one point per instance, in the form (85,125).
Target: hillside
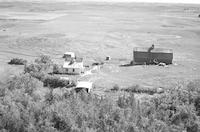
(96,30)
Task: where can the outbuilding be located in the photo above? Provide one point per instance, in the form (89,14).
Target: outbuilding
(84,85)
(69,56)
(142,55)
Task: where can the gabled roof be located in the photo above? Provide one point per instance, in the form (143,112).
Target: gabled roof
(73,65)
(84,84)
(72,54)
(155,50)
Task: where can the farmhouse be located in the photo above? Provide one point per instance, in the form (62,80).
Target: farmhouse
(73,67)
(72,64)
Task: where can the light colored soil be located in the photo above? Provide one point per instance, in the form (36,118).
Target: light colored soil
(96,30)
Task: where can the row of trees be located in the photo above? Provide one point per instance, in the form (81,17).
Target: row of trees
(27,106)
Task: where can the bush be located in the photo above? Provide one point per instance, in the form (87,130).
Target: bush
(197,105)
(25,82)
(17,61)
(42,64)
(44,59)
(54,82)
(32,68)
(175,110)
(125,102)
(51,80)
(115,88)
(58,69)
(138,89)
(97,63)
(176,107)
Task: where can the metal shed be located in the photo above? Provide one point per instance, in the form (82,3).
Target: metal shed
(141,55)
(69,56)
(84,85)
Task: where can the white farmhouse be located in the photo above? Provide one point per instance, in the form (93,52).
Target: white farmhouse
(73,67)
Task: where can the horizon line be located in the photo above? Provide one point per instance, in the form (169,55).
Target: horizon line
(113,1)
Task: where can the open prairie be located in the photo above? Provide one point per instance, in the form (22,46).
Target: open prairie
(96,30)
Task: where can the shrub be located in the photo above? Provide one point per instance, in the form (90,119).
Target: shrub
(115,88)
(97,63)
(42,64)
(32,68)
(2,91)
(58,69)
(138,89)
(25,82)
(123,102)
(194,86)
(174,110)
(39,75)
(17,61)
(54,82)
(44,59)
(197,105)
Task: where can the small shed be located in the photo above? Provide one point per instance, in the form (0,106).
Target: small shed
(84,85)
(142,55)
(69,56)
(108,58)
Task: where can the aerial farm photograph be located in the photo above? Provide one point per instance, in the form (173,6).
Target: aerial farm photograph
(99,65)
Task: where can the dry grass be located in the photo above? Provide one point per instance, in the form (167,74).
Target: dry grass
(102,30)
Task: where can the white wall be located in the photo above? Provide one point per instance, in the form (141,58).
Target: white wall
(76,70)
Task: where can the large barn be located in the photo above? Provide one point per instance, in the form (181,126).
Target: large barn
(142,55)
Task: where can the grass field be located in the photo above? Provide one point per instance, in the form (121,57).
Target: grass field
(96,30)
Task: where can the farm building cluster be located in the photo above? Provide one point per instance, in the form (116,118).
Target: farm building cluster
(72,64)
(141,55)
